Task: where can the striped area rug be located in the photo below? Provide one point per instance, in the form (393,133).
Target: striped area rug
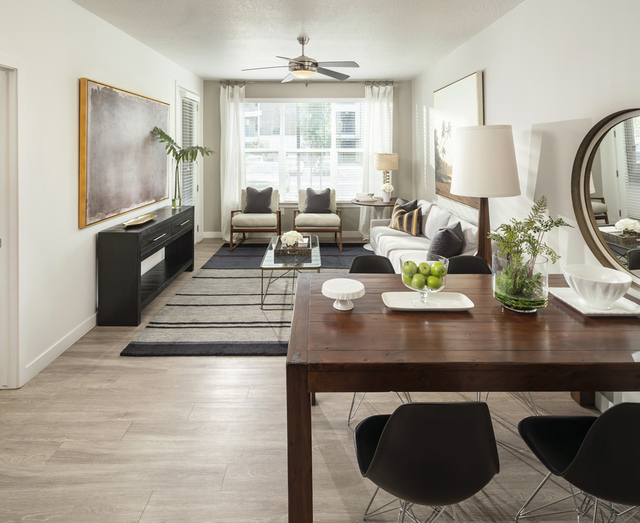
(217,313)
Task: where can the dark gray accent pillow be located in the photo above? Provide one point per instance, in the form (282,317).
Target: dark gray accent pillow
(447,241)
(407,206)
(318,202)
(258,202)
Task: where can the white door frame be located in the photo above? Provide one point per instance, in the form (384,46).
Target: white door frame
(182,92)
(9,355)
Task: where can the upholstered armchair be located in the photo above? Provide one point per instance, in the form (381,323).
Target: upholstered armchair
(317,212)
(259,213)
(599,209)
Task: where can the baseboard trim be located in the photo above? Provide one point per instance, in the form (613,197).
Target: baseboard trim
(48,356)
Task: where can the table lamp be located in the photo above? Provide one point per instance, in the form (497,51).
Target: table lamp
(484,166)
(385,163)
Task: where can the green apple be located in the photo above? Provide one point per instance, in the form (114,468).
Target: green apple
(407,279)
(439,270)
(409,268)
(425,269)
(417,282)
(434,283)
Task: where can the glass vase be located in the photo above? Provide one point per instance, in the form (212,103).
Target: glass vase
(176,201)
(522,286)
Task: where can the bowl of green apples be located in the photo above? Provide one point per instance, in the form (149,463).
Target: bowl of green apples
(424,273)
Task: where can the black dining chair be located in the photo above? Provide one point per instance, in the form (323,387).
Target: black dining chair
(599,456)
(633,259)
(371,264)
(433,454)
(465,264)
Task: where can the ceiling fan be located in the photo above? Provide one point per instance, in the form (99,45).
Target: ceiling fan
(304,66)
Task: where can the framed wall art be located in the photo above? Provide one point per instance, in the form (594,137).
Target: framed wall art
(122,166)
(456,105)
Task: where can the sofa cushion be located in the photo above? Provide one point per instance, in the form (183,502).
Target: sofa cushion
(425,208)
(406,217)
(388,243)
(318,202)
(438,218)
(258,201)
(447,241)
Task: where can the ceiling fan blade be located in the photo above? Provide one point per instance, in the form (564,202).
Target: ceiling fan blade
(332,74)
(285,58)
(272,67)
(288,78)
(338,64)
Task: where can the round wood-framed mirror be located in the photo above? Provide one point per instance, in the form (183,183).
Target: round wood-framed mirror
(604,181)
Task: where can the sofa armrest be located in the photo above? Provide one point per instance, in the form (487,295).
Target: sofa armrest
(379,223)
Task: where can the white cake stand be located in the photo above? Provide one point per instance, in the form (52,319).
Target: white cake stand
(343,290)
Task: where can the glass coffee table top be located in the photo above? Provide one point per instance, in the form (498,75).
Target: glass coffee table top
(273,262)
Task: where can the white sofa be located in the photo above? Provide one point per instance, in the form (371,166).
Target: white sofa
(393,243)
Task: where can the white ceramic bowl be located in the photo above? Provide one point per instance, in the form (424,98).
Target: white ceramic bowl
(598,287)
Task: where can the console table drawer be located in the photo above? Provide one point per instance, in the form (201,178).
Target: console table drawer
(155,240)
(181,225)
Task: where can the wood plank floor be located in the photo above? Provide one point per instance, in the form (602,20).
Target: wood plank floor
(100,438)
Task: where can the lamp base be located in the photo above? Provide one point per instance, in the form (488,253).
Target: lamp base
(484,243)
(385,177)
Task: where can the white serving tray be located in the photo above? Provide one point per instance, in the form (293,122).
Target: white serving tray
(623,307)
(439,301)
(366,199)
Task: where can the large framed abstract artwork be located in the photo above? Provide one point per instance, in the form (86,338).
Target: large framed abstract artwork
(122,166)
(457,105)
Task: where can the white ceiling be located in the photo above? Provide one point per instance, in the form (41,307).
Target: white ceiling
(216,39)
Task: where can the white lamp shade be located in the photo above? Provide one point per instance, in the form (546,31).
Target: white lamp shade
(484,162)
(385,162)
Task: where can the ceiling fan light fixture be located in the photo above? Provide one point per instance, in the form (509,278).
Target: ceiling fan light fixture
(302,73)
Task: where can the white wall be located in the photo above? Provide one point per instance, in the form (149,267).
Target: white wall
(53,43)
(552,70)
(401,142)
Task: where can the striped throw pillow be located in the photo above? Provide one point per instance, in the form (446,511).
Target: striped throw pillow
(406,217)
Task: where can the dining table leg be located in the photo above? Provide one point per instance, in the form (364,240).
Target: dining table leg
(299,467)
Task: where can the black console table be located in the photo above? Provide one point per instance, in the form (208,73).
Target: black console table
(122,291)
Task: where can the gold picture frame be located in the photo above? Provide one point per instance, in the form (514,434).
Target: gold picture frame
(456,105)
(121,166)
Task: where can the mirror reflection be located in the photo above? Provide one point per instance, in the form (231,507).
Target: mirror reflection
(614,187)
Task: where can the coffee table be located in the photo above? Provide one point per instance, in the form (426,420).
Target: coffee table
(286,265)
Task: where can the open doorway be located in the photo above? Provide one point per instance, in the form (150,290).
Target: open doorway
(8,229)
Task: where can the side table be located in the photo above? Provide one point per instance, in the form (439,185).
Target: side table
(378,207)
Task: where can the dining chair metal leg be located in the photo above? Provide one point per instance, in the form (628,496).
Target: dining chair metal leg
(522,513)
(352,411)
(403,511)
(383,509)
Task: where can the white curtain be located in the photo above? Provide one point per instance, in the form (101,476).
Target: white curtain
(378,138)
(232,173)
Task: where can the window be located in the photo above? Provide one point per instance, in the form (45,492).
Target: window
(632,179)
(188,138)
(295,145)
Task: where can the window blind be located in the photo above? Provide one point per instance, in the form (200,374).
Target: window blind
(295,145)
(632,181)
(189,119)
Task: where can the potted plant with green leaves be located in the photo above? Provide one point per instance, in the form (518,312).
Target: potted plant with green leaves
(520,273)
(180,155)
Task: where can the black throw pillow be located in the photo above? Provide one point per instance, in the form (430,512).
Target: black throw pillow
(447,241)
(258,202)
(318,202)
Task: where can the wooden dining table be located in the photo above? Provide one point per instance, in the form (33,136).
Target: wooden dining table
(486,348)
